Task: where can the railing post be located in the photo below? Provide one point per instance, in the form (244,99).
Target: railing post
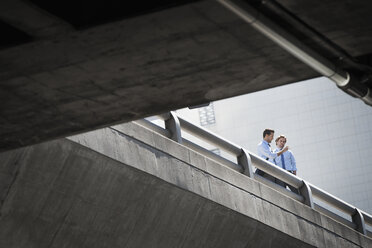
(173,125)
(358,220)
(244,159)
(305,191)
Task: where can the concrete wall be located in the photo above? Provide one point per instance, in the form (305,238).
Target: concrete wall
(138,189)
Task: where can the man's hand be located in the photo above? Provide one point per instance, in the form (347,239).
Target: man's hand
(282,151)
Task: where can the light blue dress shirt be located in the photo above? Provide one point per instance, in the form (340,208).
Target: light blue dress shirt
(289,160)
(264,151)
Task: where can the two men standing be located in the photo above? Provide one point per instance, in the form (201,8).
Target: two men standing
(281,156)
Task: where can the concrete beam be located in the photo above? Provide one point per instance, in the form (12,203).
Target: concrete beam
(126,70)
(134,68)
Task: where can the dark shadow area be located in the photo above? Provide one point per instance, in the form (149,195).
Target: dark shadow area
(84,14)
(11,36)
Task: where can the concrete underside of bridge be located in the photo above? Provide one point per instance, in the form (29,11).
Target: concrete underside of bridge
(69,80)
(130,187)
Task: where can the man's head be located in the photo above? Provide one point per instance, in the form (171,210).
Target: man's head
(280,141)
(268,135)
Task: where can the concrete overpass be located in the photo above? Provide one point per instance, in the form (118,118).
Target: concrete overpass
(73,67)
(70,67)
(129,186)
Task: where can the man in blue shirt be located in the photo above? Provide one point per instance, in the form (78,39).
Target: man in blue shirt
(286,160)
(265,152)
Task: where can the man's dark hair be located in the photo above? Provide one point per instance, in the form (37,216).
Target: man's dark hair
(267,131)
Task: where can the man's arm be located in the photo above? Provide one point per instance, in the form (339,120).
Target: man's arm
(268,153)
(265,151)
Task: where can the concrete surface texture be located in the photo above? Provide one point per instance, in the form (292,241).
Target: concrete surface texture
(68,81)
(130,187)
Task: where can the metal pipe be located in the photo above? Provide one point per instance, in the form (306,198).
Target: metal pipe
(173,125)
(334,216)
(212,155)
(358,220)
(244,159)
(210,137)
(285,40)
(298,49)
(332,200)
(305,191)
(332,47)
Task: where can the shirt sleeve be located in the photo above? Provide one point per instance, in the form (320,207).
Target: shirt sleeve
(262,150)
(276,160)
(293,161)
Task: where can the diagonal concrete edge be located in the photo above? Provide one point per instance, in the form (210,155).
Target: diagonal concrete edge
(221,185)
(66,195)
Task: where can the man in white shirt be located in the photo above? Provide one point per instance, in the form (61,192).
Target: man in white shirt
(265,152)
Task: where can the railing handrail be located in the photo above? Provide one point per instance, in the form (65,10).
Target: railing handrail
(267,167)
(207,135)
(332,200)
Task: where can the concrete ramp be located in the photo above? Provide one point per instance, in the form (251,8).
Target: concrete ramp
(130,187)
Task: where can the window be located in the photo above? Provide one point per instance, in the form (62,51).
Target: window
(206,115)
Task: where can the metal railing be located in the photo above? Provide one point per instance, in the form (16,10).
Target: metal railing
(174,125)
